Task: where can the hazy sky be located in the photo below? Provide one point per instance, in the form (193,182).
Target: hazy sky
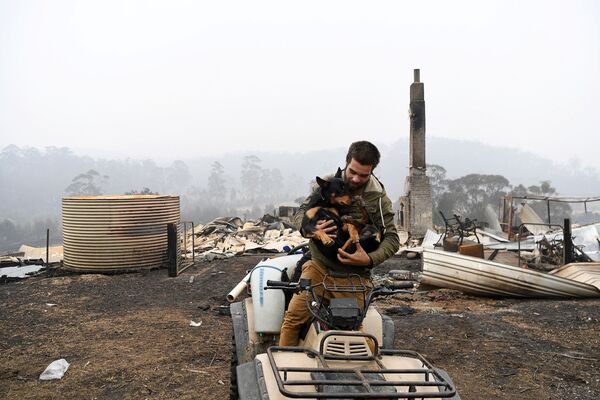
(173,79)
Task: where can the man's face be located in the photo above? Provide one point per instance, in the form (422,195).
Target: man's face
(357,175)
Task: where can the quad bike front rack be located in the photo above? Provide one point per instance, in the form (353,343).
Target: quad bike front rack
(365,379)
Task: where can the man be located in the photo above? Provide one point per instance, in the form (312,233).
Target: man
(361,160)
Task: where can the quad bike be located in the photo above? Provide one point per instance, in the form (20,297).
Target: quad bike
(345,352)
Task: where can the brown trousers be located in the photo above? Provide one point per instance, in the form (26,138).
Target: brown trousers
(298,314)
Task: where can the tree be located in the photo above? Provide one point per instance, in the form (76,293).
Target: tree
(217,191)
(250,177)
(87,184)
(10,154)
(178,176)
(439,185)
(144,191)
(558,211)
(469,195)
(277,183)
(271,184)
(8,232)
(545,189)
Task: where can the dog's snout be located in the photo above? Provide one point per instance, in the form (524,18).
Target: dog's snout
(345,200)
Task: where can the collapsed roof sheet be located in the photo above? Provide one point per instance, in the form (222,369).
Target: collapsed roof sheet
(487,278)
(581,272)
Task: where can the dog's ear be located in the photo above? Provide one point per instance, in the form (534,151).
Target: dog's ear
(338,174)
(322,182)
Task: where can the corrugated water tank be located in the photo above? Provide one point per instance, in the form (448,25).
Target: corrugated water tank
(116,233)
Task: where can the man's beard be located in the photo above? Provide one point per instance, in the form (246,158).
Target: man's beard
(355,187)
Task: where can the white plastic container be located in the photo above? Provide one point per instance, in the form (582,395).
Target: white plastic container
(269,304)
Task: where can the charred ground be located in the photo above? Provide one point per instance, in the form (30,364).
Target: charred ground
(128,337)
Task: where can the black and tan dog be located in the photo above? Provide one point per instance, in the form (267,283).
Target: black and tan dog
(326,204)
(330,202)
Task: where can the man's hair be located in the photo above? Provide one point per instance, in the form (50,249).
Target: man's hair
(364,152)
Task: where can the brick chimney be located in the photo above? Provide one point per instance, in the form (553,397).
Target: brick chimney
(416,204)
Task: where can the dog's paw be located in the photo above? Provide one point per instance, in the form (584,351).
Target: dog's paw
(329,242)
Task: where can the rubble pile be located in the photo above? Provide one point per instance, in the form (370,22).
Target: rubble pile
(229,236)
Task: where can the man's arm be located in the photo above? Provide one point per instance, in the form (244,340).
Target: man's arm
(297,218)
(390,243)
(326,226)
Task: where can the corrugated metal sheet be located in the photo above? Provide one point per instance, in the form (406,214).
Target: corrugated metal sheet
(530,218)
(581,272)
(111,233)
(487,278)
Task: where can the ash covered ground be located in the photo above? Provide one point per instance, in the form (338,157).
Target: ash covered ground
(128,336)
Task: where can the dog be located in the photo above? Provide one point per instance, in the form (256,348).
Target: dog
(325,204)
(330,202)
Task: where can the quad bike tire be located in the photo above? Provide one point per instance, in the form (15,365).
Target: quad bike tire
(238,341)
(233,388)
(243,370)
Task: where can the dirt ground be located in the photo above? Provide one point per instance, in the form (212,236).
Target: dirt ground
(128,336)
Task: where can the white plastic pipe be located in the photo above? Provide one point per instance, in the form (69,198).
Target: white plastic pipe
(238,289)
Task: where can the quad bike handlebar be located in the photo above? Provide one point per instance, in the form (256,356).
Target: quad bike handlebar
(325,311)
(279,285)
(403,287)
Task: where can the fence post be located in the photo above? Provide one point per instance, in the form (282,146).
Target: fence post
(172,249)
(569,254)
(47,251)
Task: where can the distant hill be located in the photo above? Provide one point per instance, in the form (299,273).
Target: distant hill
(519,167)
(33,181)
(459,158)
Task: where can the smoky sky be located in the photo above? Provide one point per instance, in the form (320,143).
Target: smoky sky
(169,80)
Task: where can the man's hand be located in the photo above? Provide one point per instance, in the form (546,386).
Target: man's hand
(359,258)
(327,226)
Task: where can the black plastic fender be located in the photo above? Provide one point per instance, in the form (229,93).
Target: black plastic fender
(248,383)
(239,321)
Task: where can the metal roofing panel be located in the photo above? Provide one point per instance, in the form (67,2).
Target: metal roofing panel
(488,278)
(581,272)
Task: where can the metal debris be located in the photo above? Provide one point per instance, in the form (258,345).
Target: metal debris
(533,222)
